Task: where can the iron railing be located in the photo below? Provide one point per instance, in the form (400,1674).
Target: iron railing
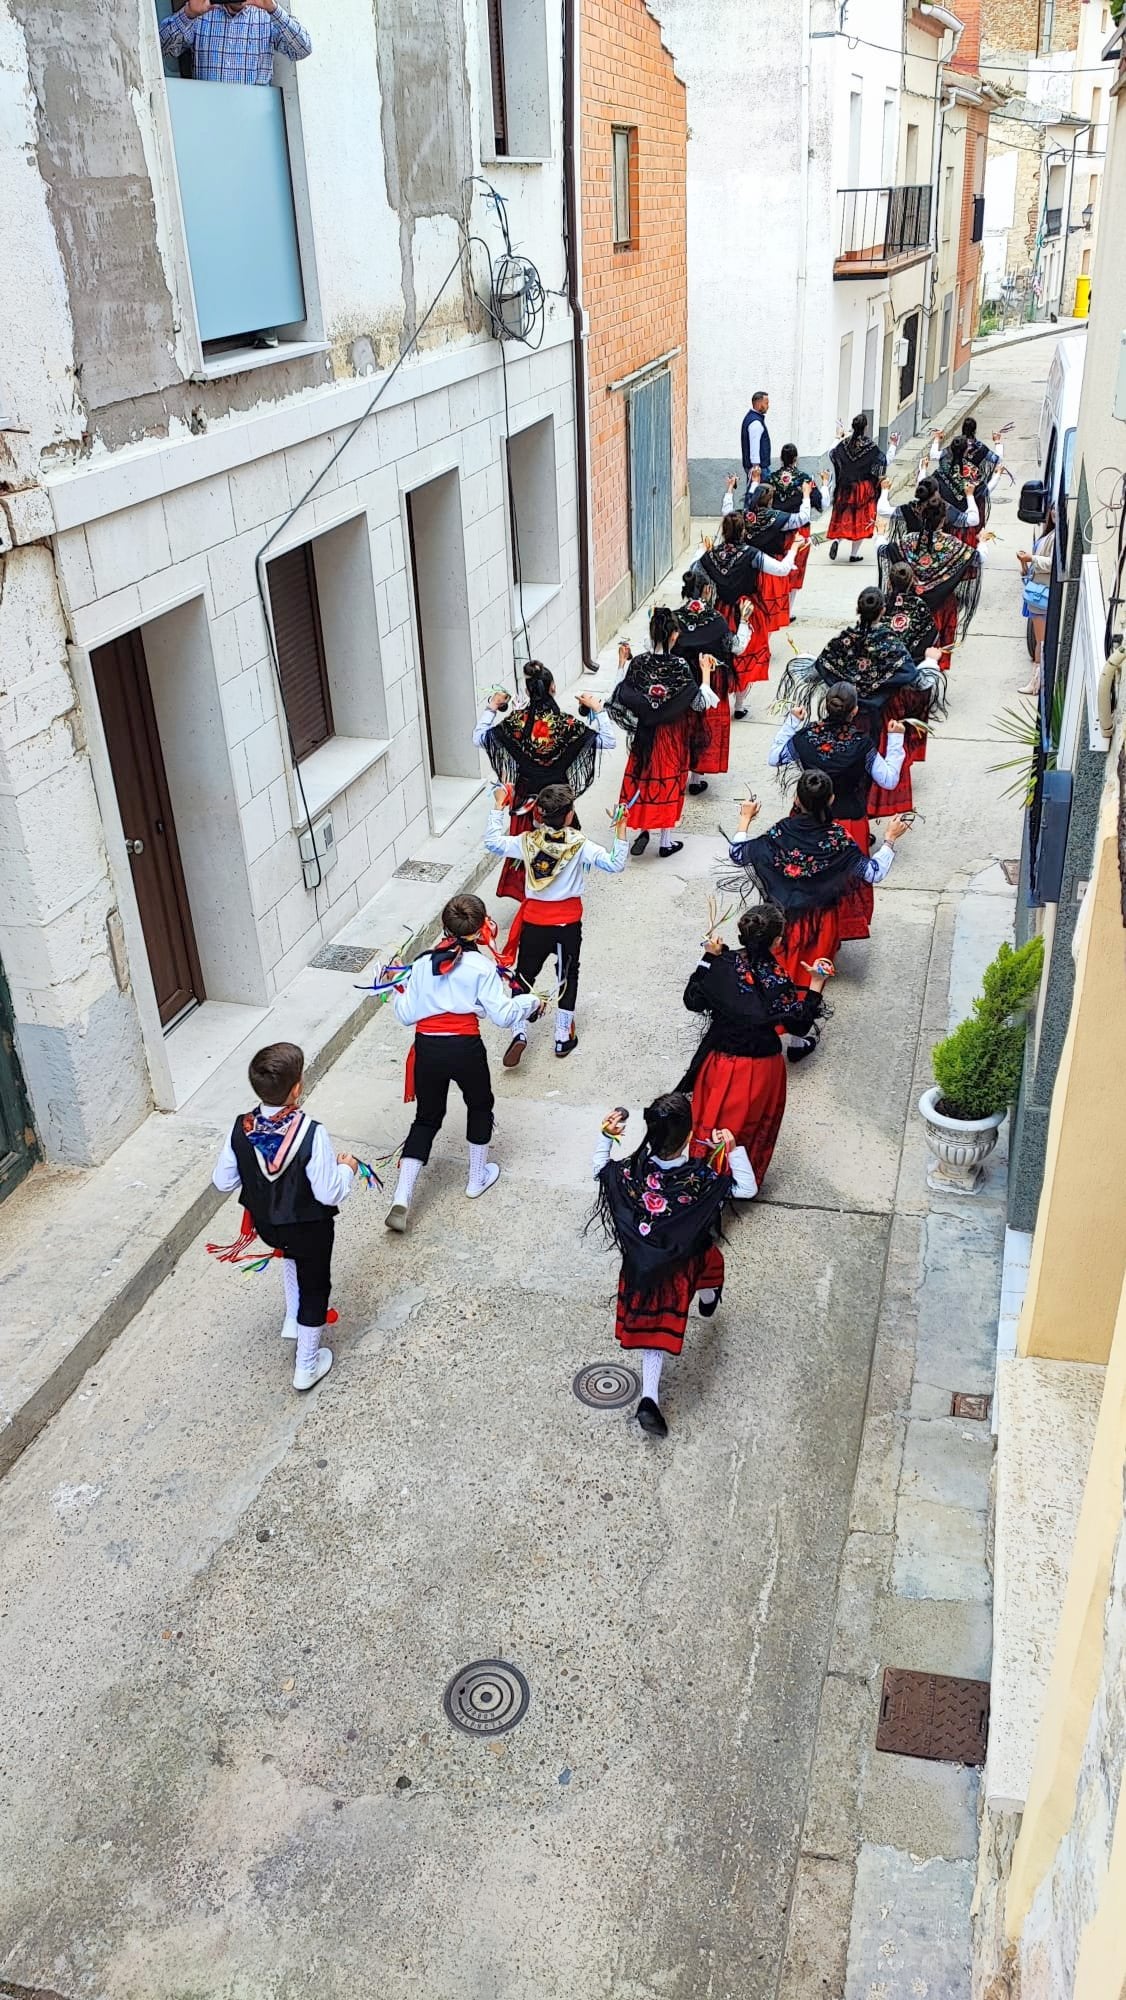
(882,226)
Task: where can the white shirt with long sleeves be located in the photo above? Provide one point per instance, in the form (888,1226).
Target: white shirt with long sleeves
(568,880)
(738,1160)
(330,1181)
(884,771)
(595,720)
(474,986)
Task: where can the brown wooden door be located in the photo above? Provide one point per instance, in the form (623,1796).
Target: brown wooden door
(133,740)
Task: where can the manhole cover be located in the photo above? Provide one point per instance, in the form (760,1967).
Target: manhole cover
(937,1716)
(344,957)
(606,1385)
(486,1698)
(962,1404)
(422,871)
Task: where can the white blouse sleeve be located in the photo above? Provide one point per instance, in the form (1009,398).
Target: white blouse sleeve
(876,868)
(330,1182)
(884,771)
(487,720)
(706,697)
(779,751)
(602,1153)
(226,1176)
(596,719)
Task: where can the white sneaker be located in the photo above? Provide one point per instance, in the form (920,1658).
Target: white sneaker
(396,1218)
(289,1329)
(492,1175)
(307,1378)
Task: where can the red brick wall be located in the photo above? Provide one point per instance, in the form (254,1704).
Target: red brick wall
(969,253)
(636,298)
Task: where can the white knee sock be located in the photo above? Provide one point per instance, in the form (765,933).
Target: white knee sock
(707,1294)
(666,838)
(652,1360)
(292,1293)
(308,1344)
(409,1171)
(564,1022)
(478,1167)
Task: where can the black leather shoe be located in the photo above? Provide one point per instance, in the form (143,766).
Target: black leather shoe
(640,844)
(833,547)
(798,1051)
(571,1043)
(650,1418)
(674,849)
(697,786)
(708,1306)
(739,714)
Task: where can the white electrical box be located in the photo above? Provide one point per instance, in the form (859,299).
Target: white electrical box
(901,352)
(318,850)
(1119,406)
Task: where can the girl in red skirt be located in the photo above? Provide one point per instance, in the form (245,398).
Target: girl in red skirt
(841,745)
(773,529)
(664,1210)
(806,864)
(656,703)
(789,483)
(737,568)
(888,684)
(944,570)
(536,746)
(703,634)
(858,467)
(737,1078)
(967,471)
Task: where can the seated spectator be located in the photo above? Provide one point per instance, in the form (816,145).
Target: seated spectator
(1036,577)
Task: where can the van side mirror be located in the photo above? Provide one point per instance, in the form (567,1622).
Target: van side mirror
(1032,505)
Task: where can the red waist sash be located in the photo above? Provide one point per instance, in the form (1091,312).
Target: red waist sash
(567,910)
(437,1024)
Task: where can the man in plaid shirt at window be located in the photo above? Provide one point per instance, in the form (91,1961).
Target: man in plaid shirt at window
(234,41)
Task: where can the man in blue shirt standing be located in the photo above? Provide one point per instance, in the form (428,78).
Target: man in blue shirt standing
(756,437)
(234,41)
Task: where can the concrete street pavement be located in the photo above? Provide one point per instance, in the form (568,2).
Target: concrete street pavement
(229,1614)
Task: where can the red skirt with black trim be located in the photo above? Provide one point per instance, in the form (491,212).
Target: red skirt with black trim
(853,519)
(855,909)
(804,544)
(660,1319)
(753,664)
(711,740)
(747,1096)
(664,781)
(775,594)
(815,934)
(510,882)
(904,703)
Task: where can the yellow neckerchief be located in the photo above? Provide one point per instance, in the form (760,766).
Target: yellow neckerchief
(546,850)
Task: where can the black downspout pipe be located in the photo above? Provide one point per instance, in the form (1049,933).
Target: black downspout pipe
(574,300)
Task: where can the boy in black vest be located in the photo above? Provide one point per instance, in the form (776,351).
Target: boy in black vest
(292,1185)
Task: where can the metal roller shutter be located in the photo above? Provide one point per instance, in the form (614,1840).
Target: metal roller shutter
(301,656)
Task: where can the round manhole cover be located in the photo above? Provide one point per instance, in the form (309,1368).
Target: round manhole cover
(486,1698)
(606,1385)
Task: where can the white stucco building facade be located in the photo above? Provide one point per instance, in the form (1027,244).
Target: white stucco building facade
(231,711)
(794,141)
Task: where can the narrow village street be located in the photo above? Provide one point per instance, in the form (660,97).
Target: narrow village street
(229,1614)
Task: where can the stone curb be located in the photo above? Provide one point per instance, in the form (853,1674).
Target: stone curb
(1056,328)
(907,458)
(29,1418)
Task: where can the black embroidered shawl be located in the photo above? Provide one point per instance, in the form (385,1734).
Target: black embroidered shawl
(767,531)
(844,751)
(702,630)
(734,571)
(910,620)
(787,485)
(855,462)
(798,864)
(872,658)
(747,999)
(957,481)
(941,564)
(539,746)
(659,1217)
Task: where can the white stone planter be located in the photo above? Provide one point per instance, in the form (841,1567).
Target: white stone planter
(960,1145)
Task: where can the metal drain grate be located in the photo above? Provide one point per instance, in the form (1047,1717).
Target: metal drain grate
(343,957)
(486,1698)
(422,871)
(606,1385)
(937,1716)
(962,1404)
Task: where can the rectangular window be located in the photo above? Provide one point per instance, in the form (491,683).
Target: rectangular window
(496,72)
(907,365)
(887,155)
(296,613)
(1093,141)
(1047,23)
(516,84)
(624,170)
(855,126)
(533,516)
(911,157)
(947,202)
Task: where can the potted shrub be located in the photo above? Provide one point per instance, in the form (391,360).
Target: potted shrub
(977,1070)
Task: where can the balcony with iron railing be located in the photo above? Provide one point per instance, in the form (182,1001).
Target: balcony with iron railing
(882,229)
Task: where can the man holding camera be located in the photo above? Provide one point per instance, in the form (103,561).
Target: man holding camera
(234,41)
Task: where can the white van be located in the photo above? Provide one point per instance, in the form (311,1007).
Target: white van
(1059,419)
